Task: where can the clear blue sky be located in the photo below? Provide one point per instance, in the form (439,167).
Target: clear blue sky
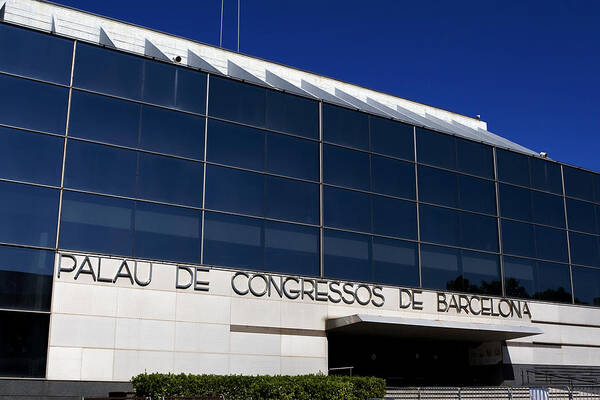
(530,68)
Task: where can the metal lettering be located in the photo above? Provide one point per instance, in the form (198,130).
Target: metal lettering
(320,296)
(377,294)
(273,284)
(100,278)
(309,293)
(189,271)
(441,300)
(258,294)
(471,305)
(292,294)
(135,274)
(60,264)
(201,286)
(416,304)
(363,303)
(81,270)
(345,289)
(334,287)
(121,274)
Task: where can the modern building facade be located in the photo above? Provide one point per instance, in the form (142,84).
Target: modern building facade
(170,206)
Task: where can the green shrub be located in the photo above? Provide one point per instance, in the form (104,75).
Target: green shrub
(262,387)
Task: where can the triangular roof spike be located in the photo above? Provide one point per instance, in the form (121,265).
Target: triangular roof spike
(194,60)
(424,121)
(281,83)
(396,114)
(2,11)
(236,71)
(105,39)
(151,50)
(322,94)
(53,25)
(361,105)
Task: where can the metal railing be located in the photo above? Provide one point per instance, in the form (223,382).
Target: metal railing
(580,392)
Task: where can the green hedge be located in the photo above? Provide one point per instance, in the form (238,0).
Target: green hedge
(238,387)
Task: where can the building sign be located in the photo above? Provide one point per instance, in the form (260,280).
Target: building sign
(259,284)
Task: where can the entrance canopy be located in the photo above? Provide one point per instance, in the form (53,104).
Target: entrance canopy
(372,325)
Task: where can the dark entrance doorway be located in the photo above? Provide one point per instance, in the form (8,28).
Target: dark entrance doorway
(409,361)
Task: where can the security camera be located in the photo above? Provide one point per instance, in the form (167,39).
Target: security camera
(177,59)
(543,154)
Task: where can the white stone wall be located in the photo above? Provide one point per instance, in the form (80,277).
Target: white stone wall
(113,331)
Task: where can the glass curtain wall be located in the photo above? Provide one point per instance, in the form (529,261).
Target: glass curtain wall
(162,162)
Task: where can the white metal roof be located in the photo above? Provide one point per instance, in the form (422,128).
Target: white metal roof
(66,21)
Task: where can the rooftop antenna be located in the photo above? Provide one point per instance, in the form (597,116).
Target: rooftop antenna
(221,26)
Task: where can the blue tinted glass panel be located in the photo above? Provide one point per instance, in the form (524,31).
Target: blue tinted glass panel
(35,54)
(345,167)
(158,83)
(545,175)
(172,132)
(22,98)
(392,138)
(518,238)
(100,168)
(24,338)
(104,119)
(460,270)
(170,180)
(585,249)
(513,167)
(235,145)
(96,224)
(108,71)
(175,87)
(393,177)
(293,157)
(474,158)
(586,285)
(548,209)
(25,278)
(438,186)
(551,244)
(580,184)
(455,228)
(30,157)
(476,194)
(520,277)
(392,217)
(440,268)
(436,149)
(236,101)
(347,209)
(233,241)
(481,272)
(291,249)
(347,256)
(234,191)
(395,262)
(292,200)
(293,114)
(478,232)
(583,216)
(553,282)
(345,127)
(167,233)
(28,214)
(190,92)
(439,225)
(515,202)
(537,280)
